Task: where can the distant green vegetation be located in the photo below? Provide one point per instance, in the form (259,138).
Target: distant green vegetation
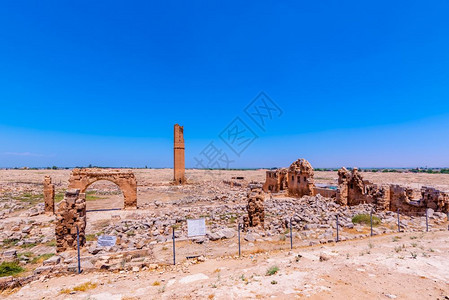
(365,219)
(416,170)
(10,268)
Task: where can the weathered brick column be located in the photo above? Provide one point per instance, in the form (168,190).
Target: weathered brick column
(178,153)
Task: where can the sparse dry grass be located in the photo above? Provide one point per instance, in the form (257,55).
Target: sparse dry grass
(257,251)
(80,288)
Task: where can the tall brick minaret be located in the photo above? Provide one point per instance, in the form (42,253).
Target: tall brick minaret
(179,159)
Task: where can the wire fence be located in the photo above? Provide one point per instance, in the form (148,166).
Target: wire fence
(292,238)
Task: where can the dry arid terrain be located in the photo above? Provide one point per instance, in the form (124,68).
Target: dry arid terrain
(411,264)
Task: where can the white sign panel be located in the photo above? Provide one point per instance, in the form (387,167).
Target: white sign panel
(196,227)
(106,240)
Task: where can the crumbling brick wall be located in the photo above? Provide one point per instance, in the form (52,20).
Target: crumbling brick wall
(300,178)
(255,208)
(352,187)
(49,195)
(70,214)
(435,199)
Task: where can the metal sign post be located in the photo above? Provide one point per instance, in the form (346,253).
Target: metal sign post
(371,221)
(78,246)
(427,221)
(399,223)
(174,253)
(338,239)
(240,252)
(291,234)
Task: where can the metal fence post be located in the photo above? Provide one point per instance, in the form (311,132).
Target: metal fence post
(399,223)
(338,239)
(240,252)
(174,251)
(291,234)
(427,221)
(78,247)
(371,221)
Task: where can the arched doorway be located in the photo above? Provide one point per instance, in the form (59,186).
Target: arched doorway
(82,178)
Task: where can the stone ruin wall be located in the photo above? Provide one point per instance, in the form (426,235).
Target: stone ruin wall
(435,199)
(70,213)
(82,178)
(255,209)
(49,195)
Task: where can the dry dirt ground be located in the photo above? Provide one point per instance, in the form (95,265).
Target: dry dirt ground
(402,266)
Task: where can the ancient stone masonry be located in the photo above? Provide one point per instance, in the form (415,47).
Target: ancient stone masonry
(353,190)
(49,195)
(70,214)
(255,208)
(352,187)
(300,178)
(435,199)
(82,178)
(276,181)
(179,158)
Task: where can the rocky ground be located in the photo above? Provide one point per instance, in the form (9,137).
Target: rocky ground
(144,244)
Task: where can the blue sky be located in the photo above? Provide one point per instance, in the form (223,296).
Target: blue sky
(103,83)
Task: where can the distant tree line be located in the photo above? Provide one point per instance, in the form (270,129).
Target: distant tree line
(415,170)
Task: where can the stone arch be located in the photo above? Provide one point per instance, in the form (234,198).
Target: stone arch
(81,179)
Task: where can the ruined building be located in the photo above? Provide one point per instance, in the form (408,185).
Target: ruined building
(49,195)
(300,178)
(179,159)
(353,190)
(297,179)
(276,181)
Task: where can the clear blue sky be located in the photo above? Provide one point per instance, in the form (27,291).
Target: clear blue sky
(103,82)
